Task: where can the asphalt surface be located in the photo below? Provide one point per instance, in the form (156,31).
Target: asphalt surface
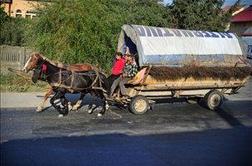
(171,134)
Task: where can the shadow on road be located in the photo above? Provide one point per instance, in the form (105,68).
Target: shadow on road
(229,118)
(211,147)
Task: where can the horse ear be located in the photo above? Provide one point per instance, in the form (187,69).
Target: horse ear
(37,55)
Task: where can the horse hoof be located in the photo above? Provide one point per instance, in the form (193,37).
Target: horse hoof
(77,105)
(75,108)
(90,111)
(99,114)
(39,109)
(70,107)
(60,115)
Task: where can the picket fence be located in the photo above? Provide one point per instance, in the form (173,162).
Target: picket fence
(13,56)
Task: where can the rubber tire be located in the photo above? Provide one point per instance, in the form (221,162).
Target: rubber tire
(210,97)
(134,101)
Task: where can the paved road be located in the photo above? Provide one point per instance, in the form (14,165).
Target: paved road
(171,134)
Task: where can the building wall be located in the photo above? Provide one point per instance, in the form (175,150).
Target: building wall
(240,27)
(22,8)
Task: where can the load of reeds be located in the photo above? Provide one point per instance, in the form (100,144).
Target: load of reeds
(200,72)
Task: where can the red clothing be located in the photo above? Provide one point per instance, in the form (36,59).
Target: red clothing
(118,66)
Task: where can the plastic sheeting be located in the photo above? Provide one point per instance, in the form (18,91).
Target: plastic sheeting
(175,47)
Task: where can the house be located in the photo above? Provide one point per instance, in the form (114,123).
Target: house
(21,8)
(241,21)
(247,38)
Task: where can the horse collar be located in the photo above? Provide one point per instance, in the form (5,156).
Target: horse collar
(41,71)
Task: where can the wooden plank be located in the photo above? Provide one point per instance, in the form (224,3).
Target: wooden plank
(177,93)
(190,83)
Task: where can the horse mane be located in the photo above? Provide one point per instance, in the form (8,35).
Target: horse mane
(57,63)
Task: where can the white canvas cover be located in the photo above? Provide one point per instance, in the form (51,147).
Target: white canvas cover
(176,47)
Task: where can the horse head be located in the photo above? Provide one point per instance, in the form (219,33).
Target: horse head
(33,62)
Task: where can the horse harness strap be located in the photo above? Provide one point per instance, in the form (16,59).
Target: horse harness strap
(60,76)
(71,89)
(72,78)
(42,68)
(96,78)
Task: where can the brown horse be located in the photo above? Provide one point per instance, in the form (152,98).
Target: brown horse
(79,78)
(31,64)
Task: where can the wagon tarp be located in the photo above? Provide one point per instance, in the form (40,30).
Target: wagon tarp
(177,48)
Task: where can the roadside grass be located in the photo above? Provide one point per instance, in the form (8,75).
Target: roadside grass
(14,83)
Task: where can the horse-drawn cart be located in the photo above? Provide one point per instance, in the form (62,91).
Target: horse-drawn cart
(173,64)
(193,65)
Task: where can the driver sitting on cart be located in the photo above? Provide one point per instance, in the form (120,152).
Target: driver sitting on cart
(117,68)
(129,71)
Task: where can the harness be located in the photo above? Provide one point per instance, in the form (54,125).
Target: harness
(42,70)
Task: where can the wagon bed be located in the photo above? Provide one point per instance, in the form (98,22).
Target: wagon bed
(187,64)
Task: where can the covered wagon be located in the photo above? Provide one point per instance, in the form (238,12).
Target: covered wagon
(188,64)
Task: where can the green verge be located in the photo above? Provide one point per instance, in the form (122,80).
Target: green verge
(15,83)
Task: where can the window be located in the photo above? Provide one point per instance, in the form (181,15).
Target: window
(30,14)
(18,13)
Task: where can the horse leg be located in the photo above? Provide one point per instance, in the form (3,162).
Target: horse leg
(78,103)
(91,108)
(105,107)
(55,97)
(62,110)
(41,105)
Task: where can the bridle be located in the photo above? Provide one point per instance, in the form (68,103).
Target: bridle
(40,72)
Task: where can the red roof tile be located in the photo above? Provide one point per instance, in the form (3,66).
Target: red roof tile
(243,16)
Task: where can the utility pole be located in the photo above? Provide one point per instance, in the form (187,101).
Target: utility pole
(10,8)
(9,2)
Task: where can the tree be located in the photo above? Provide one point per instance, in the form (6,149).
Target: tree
(3,19)
(3,16)
(199,14)
(12,29)
(87,31)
